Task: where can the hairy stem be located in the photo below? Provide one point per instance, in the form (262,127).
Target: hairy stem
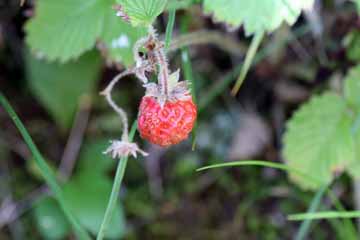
(163,70)
(117,109)
(136,49)
(161,57)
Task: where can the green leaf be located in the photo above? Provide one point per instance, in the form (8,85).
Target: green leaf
(352,44)
(59,87)
(50,220)
(119,38)
(93,160)
(357,2)
(352,88)
(87,194)
(256,15)
(318,140)
(63,30)
(142,12)
(354,169)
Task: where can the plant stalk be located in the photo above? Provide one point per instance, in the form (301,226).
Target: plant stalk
(120,172)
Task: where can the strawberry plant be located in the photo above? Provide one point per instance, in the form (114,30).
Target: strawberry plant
(164,69)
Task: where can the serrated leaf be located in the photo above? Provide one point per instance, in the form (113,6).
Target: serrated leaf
(318,140)
(63,30)
(59,87)
(88,195)
(352,88)
(119,38)
(256,15)
(142,12)
(50,220)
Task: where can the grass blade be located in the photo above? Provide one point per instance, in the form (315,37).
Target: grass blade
(45,170)
(169,28)
(255,43)
(324,215)
(279,166)
(305,225)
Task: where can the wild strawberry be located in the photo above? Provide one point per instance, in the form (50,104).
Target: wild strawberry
(167,119)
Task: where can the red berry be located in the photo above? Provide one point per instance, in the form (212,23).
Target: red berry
(167,125)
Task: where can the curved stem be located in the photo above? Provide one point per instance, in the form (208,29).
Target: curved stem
(136,49)
(117,109)
(120,171)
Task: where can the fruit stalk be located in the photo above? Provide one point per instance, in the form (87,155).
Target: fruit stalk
(163,71)
(160,58)
(118,110)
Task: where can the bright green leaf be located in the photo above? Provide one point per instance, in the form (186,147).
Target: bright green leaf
(59,87)
(93,160)
(318,140)
(119,38)
(63,30)
(256,15)
(50,220)
(352,87)
(142,12)
(87,195)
